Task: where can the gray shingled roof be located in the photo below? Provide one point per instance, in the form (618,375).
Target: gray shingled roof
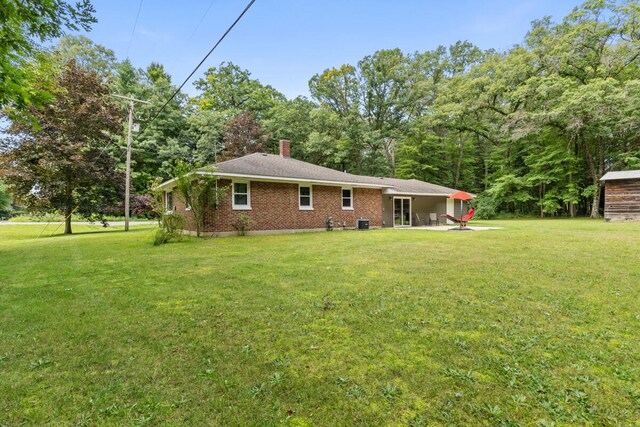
(621,175)
(285,168)
(415,186)
(271,165)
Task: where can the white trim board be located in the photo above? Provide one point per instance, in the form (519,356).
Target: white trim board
(278,179)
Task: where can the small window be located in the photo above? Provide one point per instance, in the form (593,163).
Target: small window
(347,199)
(305,197)
(170,201)
(241,195)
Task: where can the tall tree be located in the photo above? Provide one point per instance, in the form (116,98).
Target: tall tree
(385,100)
(61,165)
(292,120)
(371,103)
(244,135)
(588,84)
(87,54)
(164,140)
(229,89)
(22,25)
(337,89)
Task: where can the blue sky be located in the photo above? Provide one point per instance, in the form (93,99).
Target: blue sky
(284,43)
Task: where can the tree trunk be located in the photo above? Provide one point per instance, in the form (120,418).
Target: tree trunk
(540,199)
(485,161)
(67,219)
(68,209)
(595,207)
(596,169)
(393,158)
(460,158)
(572,207)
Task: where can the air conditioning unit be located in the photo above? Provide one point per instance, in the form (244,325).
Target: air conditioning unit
(362,224)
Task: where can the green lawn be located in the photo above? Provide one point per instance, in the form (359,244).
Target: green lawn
(538,323)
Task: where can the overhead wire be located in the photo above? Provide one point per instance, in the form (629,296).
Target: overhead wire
(244,11)
(135,24)
(204,15)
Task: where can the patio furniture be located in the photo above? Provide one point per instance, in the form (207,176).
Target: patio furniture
(418,220)
(462,196)
(433,218)
(462,221)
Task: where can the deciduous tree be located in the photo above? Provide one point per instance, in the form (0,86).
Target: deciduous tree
(24,24)
(244,135)
(229,89)
(61,165)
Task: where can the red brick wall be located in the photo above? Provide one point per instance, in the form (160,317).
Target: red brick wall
(274,206)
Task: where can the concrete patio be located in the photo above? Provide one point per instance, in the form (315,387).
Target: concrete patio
(447,228)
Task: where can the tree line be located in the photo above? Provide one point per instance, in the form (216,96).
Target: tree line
(531,130)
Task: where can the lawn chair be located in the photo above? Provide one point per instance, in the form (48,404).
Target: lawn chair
(433,218)
(462,221)
(418,220)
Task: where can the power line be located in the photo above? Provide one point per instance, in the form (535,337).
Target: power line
(127,184)
(201,20)
(197,67)
(246,9)
(135,24)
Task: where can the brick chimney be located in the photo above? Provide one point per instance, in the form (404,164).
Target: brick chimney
(285,149)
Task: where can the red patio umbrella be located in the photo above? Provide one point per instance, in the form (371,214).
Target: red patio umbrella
(462,196)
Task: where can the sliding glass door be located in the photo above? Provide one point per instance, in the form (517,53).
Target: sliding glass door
(402,211)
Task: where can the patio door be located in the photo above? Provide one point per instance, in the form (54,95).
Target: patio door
(402,211)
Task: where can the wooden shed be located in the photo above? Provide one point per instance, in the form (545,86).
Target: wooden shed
(622,196)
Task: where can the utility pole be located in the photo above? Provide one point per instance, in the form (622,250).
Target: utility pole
(128,169)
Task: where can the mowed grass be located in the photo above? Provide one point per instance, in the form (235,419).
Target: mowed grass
(534,324)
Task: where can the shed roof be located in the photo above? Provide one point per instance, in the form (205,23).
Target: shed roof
(609,176)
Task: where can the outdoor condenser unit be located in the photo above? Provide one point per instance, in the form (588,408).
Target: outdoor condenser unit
(363,224)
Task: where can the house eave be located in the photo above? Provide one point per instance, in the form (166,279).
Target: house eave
(265,178)
(404,193)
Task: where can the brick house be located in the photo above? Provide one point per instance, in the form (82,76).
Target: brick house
(281,194)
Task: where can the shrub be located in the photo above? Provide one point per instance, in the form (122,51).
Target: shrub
(486,207)
(172,226)
(160,237)
(243,224)
(174,223)
(199,190)
(144,206)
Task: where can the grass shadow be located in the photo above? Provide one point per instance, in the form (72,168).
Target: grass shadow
(100,230)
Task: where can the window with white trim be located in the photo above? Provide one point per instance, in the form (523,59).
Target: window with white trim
(347,199)
(169,201)
(241,195)
(305,197)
